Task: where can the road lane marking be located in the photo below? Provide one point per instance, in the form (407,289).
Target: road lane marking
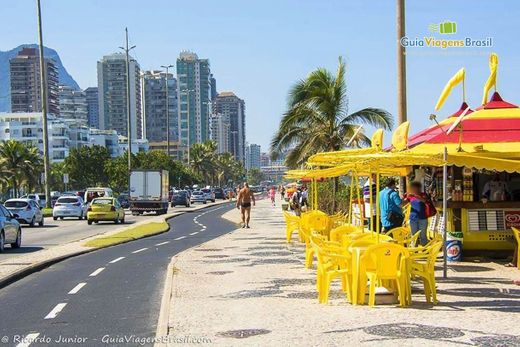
(194,233)
(162,243)
(139,250)
(77,288)
(116,260)
(28,339)
(57,309)
(95,273)
(180,238)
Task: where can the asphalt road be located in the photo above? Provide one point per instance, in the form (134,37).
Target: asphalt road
(107,296)
(58,232)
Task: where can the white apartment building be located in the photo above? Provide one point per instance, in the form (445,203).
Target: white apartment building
(139,145)
(73,104)
(219,132)
(105,138)
(28,128)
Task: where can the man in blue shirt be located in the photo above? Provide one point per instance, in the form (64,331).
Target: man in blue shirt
(389,201)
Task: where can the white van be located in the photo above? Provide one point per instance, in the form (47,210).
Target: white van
(98,192)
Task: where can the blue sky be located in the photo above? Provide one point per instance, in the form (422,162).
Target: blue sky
(259,48)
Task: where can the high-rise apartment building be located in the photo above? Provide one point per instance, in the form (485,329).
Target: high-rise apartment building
(154,106)
(73,104)
(111,71)
(194,92)
(219,129)
(230,105)
(253,156)
(91,95)
(213,84)
(24,70)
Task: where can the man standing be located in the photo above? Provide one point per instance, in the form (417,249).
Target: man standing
(244,199)
(390,204)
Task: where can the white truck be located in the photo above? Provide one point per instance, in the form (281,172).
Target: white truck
(149,191)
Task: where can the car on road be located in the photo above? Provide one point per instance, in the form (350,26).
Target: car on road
(69,206)
(210,194)
(180,197)
(10,230)
(220,194)
(38,197)
(105,209)
(198,196)
(27,211)
(97,192)
(124,200)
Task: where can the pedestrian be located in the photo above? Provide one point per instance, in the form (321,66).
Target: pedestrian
(390,204)
(282,192)
(370,209)
(304,200)
(272,195)
(296,201)
(244,199)
(418,217)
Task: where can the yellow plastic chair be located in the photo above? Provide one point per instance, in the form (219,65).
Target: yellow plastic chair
(407,209)
(516,233)
(386,262)
(292,224)
(400,234)
(337,233)
(422,264)
(332,263)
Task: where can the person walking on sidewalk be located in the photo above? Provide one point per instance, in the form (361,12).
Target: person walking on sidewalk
(244,199)
(272,195)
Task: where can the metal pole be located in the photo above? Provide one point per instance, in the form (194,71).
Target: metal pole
(128,116)
(43,87)
(401,75)
(445,211)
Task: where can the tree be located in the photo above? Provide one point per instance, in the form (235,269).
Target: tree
(317,118)
(86,166)
(20,166)
(255,176)
(203,160)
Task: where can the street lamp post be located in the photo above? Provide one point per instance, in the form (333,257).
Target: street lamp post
(167,110)
(43,87)
(127,49)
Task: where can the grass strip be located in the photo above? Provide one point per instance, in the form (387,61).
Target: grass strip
(47,212)
(132,233)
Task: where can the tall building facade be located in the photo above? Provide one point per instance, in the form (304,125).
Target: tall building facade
(219,130)
(24,70)
(73,104)
(92,96)
(213,84)
(253,156)
(194,92)
(154,106)
(111,71)
(230,105)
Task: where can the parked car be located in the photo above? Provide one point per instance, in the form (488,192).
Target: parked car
(210,195)
(198,196)
(38,197)
(180,197)
(10,230)
(124,200)
(27,211)
(69,206)
(105,209)
(220,194)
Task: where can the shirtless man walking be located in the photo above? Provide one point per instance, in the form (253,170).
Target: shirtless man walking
(244,199)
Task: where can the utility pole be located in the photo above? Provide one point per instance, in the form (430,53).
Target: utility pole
(401,75)
(128,116)
(167,111)
(401,64)
(188,91)
(43,87)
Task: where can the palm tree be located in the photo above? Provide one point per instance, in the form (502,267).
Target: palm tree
(20,165)
(203,159)
(317,119)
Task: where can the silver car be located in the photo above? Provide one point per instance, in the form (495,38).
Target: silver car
(198,196)
(10,230)
(69,206)
(27,211)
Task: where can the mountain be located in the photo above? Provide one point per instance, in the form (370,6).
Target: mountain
(5,83)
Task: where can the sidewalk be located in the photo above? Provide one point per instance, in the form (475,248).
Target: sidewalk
(250,288)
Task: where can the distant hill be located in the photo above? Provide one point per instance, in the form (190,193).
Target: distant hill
(5,83)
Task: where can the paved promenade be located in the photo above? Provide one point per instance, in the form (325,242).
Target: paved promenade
(250,288)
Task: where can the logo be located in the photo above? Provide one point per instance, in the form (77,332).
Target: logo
(443,28)
(512,219)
